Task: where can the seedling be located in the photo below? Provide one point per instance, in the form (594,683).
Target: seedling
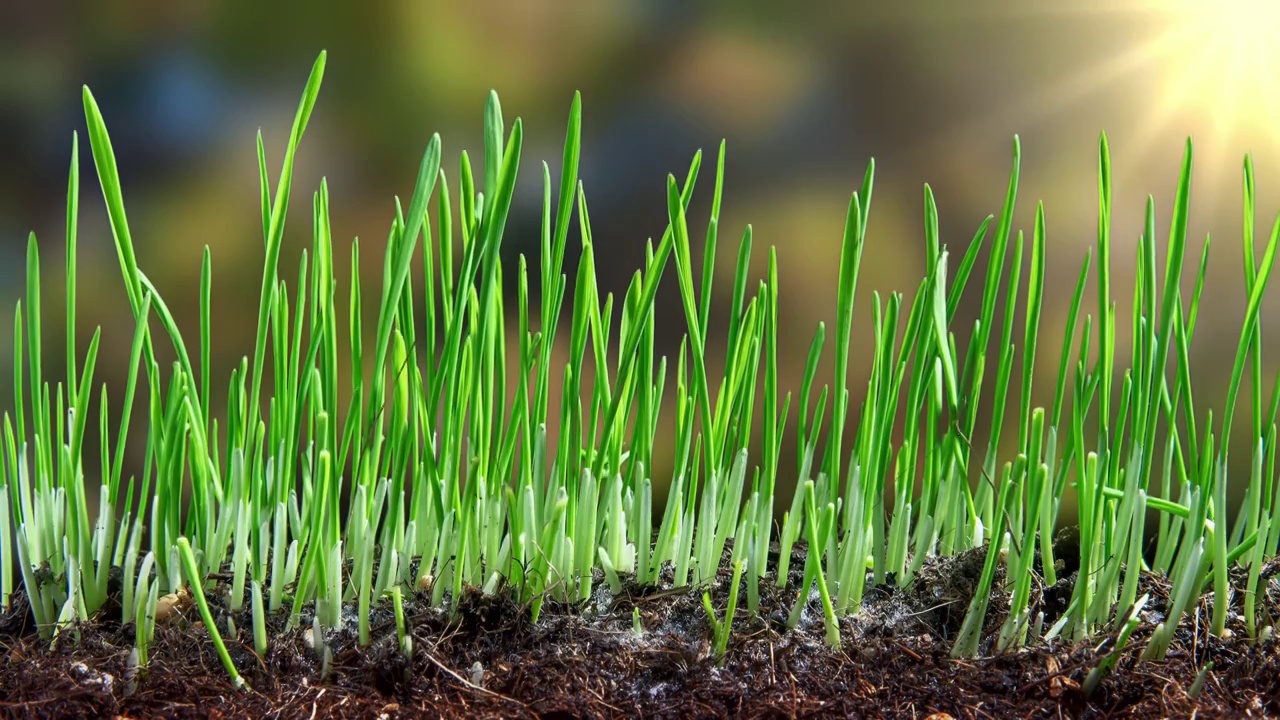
(321,492)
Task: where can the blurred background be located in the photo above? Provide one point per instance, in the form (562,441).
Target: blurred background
(805,96)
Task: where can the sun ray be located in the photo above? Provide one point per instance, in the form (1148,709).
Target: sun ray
(1080,85)
(1150,128)
(1205,68)
(1224,123)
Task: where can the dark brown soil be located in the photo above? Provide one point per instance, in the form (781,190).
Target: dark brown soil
(489,660)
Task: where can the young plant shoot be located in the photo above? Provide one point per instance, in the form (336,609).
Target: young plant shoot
(512,443)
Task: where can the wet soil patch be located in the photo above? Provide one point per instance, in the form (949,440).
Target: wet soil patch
(487,658)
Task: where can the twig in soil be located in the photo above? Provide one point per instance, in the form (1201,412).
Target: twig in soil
(468,683)
(600,699)
(637,599)
(910,653)
(978,711)
(30,703)
(253,652)
(1047,678)
(928,610)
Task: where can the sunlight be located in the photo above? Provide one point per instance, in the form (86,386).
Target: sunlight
(1205,68)
(1223,65)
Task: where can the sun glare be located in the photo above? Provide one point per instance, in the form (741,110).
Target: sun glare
(1222,64)
(1205,68)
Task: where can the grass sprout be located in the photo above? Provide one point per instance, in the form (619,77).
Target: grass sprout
(454,466)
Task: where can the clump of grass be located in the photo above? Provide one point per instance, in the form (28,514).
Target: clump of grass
(449,473)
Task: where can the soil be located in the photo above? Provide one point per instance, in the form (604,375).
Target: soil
(488,659)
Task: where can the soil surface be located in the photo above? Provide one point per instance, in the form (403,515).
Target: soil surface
(488,659)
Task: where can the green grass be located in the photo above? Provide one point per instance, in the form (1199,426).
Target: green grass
(452,480)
